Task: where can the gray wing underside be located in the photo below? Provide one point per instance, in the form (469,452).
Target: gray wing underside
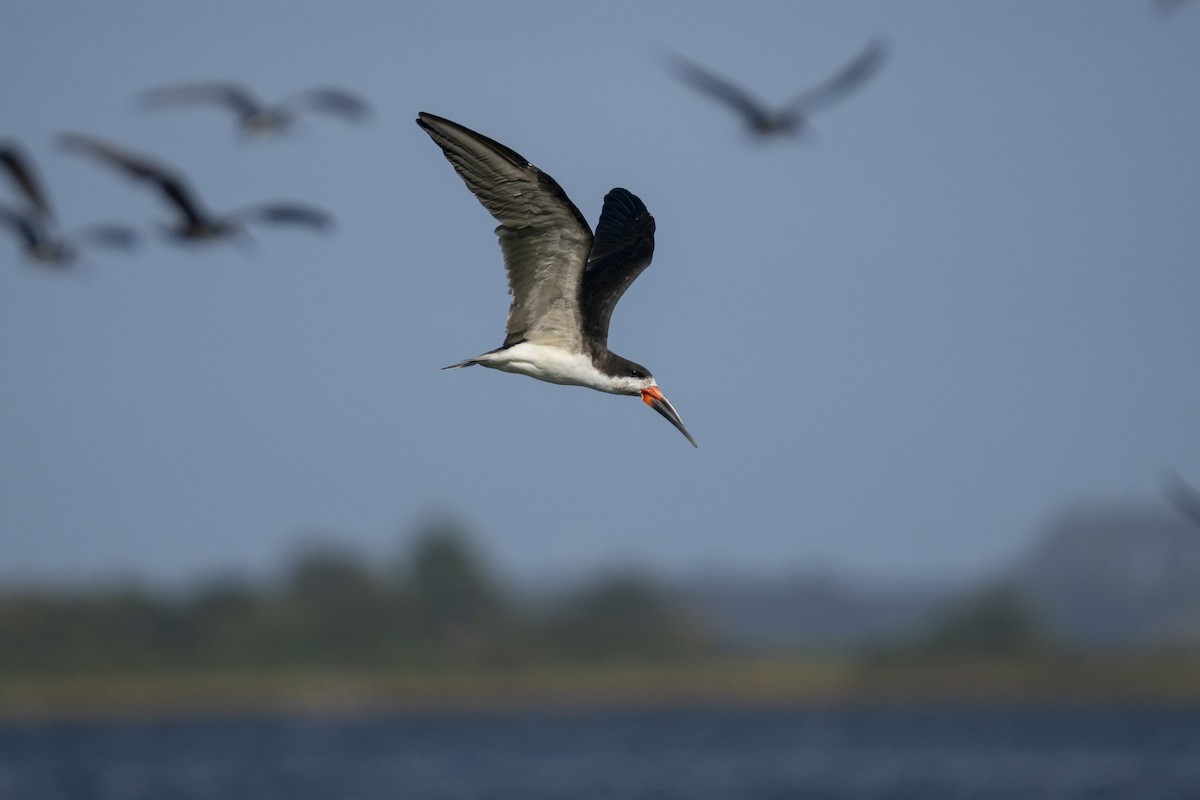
(544,238)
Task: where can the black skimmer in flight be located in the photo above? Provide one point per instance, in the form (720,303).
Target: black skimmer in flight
(765,121)
(253,115)
(564,281)
(195,222)
(35,224)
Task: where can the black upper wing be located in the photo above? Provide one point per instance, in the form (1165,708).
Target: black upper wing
(621,250)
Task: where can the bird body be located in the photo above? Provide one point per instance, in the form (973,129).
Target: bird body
(564,280)
(37,243)
(554,364)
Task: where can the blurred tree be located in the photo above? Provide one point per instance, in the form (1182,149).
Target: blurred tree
(994,622)
(622,616)
(227,613)
(334,611)
(450,583)
(458,604)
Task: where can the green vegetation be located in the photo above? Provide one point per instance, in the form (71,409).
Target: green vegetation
(438,609)
(993,623)
(436,629)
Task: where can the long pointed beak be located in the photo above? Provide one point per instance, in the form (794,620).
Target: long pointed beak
(654,398)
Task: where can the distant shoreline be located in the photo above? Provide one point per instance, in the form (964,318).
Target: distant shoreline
(774,682)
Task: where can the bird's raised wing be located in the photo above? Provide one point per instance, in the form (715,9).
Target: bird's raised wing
(755,112)
(21,171)
(623,248)
(230,95)
(171,184)
(544,238)
(850,77)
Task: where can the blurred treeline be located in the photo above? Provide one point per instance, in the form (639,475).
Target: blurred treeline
(1105,579)
(437,607)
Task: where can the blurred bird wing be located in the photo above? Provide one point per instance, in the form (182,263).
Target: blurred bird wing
(288,214)
(230,95)
(544,238)
(850,77)
(21,226)
(724,90)
(112,235)
(339,102)
(25,177)
(171,184)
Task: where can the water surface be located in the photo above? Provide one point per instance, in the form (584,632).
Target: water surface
(735,754)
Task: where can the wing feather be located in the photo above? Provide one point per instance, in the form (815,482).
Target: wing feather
(544,238)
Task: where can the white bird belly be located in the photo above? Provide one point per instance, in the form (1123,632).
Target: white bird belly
(550,364)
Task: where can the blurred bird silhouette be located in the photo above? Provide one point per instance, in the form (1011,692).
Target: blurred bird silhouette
(792,118)
(564,281)
(195,222)
(35,225)
(1184,496)
(1167,7)
(254,116)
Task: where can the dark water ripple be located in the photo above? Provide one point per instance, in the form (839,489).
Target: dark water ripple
(743,754)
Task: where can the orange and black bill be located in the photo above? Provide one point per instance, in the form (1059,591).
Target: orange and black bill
(654,398)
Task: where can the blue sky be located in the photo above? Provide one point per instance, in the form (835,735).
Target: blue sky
(971,298)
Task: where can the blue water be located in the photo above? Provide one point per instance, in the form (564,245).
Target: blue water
(742,754)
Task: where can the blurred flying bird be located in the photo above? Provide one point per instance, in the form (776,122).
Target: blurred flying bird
(1184,496)
(253,115)
(44,247)
(195,222)
(564,281)
(1166,7)
(792,118)
(35,226)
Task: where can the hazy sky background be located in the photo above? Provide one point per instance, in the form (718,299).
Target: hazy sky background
(971,299)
